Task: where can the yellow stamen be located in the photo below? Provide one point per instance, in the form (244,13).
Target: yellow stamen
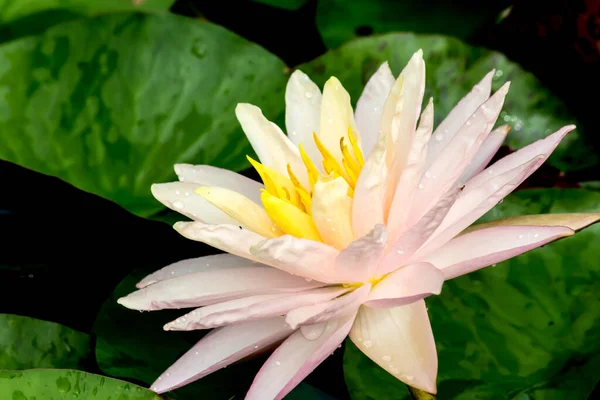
(289,218)
(356,148)
(329,163)
(276,184)
(305,196)
(351,166)
(313,172)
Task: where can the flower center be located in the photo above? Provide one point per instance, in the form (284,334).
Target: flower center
(289,204)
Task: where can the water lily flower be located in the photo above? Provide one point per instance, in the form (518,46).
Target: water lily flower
(361,215)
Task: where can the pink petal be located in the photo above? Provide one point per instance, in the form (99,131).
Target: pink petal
(458,116)
(400,341)
(220,348)
(369,107)
(411,175)
(540,147)
(486,152)
(214,285)
(402,251)
(302,257)
(192,265)
(180,197)
(338,307)
(206,175)
(406,285)
(449,166)
(232,239)
(251,308)
(296,358)
(359,260)
(407,112)
(485,247)
(271,145)
(368,204)
(303,113)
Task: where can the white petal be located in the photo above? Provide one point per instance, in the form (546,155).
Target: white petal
(369,107)
(271,145)
(486,152)
(400,341)
(206,175)
(303,113)
(180,197)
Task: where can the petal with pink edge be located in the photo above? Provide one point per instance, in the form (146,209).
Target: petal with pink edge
(303,113)
(543,147)
(485,247)
(459,115)
(192,265)
(411,175)
(180,197)
(475,202)
(486,152)
(211,286)
(452,161)
(575,221)
(403,250)
(361,258)
(206,175)
(253,307)
(406,285)
(338,307)
(220,348)
(296,358)
(399,340)
(369,107)
(302,257)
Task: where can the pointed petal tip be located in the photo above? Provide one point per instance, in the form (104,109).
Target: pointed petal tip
(419,53)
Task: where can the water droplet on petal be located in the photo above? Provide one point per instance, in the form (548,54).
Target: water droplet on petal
(536,235)
(468,123)
(400,251)
(427,174)
(439,137)
(493,265)
(421,186)
(177,192)
(368,344)
(308,95)
(409,377)
(196,353)
(277,363)
(313,332)
(386,358)
(521,236)
(172,272)
(178,204)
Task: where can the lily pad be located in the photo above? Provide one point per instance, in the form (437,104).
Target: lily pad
(33,343)
(67,384)
(527,329)
(111,103)
(11,10)
(285,4)
(452,68)
(339,21)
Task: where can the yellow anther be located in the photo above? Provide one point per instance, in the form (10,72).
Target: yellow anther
(355,147)
(329,163)
(289,219)
(351,174)
(276,184)
(311,169)
(349,163)
(305,196)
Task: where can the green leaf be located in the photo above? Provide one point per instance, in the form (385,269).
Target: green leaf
(285,4)
(67,384)
(33,343)
(133,345)
(110,104)
(339,20)
(527,329)
(452,69)
(12,10)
